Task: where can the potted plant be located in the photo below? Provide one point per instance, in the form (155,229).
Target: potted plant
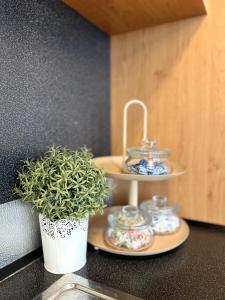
(65,188)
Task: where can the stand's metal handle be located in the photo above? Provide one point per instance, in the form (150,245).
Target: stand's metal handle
(128,104)
(133,189)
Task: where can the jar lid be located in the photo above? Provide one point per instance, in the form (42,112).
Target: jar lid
(129,217)
(159,204)
(148,150)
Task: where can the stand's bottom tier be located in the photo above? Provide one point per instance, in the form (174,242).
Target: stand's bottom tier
(161,244)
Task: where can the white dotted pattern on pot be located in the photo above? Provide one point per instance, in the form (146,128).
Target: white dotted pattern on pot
(61,228)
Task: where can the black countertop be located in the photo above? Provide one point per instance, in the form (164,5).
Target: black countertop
(195,270)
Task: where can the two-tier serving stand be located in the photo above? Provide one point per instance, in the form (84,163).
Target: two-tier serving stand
(114,168)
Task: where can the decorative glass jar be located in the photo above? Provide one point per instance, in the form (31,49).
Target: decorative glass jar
(164,216)
(129,229)
(148,160)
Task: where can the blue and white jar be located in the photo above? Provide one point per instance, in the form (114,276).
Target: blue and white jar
(148,160)
(164,216)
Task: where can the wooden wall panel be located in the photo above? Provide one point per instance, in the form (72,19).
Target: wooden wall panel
(179,71)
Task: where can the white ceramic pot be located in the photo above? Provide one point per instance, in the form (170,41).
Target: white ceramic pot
(64,244)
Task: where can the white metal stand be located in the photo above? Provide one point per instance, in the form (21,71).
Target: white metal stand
(114,167)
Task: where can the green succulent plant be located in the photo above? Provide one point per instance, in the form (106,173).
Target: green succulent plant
(63,184)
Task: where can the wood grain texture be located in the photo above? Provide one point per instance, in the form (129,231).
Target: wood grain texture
(179,71)
(116,16)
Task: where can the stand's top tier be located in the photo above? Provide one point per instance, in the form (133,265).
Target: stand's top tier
(113,166)
(145,163)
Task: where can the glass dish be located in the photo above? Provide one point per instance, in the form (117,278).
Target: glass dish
(129,228)
(148,160)
(164,216)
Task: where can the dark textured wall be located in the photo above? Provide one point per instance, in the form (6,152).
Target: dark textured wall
(54,84)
